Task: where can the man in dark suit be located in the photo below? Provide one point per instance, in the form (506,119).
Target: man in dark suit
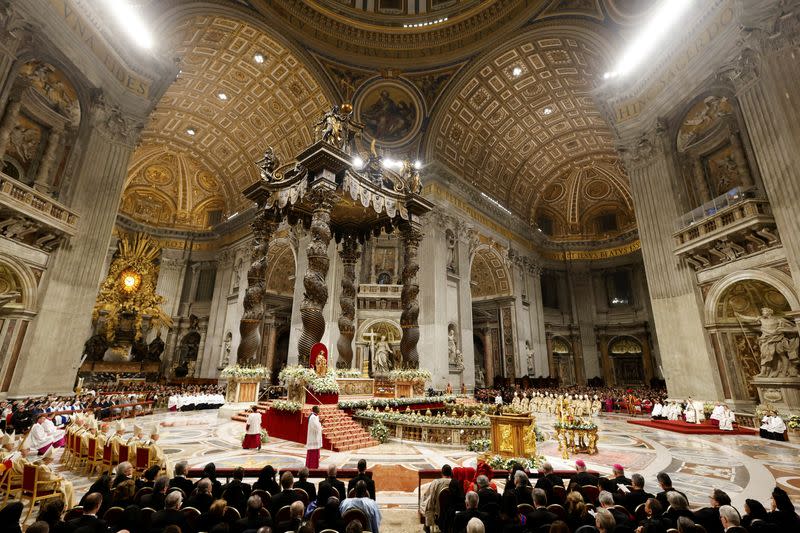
(303,483)
(180,480)
(666,486)
(708,517)
(730,520)
(621,518)
(335,483)
(252,517)
(88,522)
(287,496)
(635,497)
(583,477)
(463,517)
(155,500)
(362,475)
(617,478)
(237,491)
(202,497)
(171,515)
(540,516)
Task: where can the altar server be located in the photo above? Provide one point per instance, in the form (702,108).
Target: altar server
(716,414)
(657,413)
(252,437)
(314,438)
(772,427)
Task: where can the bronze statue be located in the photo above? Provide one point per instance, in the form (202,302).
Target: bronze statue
(95,347)
(156,348)
(268,164)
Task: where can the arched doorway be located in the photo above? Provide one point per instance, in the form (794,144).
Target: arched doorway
(564,360)
(627,359)
(479,351)
(492,315)
(281,354)
(278,301)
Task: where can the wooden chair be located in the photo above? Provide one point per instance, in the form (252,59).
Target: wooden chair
(622,509)
(68,448)
(141,492)
(315,516)
(261,493)
(589,493)
(31,488)
(124,453)
(264,513)
(284,515)
(640,513)
(106,462)
(142,460)
(192,517)
(178,489)
(303,495)
(557,510)
(335,492)
(10,483)
(147,517)
(90,455)
(72,514)
(351,493)
(231,514)
(356,514)
(559,494)
(113,517)
(525,508)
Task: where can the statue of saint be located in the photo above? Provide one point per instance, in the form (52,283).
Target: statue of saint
(778,354)
(321,364)
(382,356)
(454,356)
(155,348)
(530,354)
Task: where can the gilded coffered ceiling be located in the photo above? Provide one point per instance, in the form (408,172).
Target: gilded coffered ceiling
(523,122)
(238,91)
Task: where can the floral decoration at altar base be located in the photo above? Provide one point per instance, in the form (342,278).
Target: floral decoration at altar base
(244,383)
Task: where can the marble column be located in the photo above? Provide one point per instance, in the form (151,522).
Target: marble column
(44,178)
(213,350)
(411,235)
(466,341)
(608,367)
(551,359)
(488,357)
(688,360)
(587,358)
(264,227)
(10,116)
(347,301)
(538,333)
(69,291)
(766,85)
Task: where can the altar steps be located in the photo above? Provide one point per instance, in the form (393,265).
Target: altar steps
(341,431)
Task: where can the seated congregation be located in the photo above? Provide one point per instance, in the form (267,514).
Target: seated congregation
(580,501)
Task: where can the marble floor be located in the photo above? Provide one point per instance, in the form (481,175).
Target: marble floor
(743,466)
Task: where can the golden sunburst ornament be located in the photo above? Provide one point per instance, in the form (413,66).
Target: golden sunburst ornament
(131,280)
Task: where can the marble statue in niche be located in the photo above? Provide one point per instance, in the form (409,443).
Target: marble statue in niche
(530,354)
(451,250)
(778,353)
(382,357)
(454,356)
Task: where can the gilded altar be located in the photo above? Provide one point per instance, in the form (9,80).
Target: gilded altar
(356,386)
(576,439)
(513,435)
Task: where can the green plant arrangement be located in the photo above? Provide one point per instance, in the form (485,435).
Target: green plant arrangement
(763,410)
(380,403)
(479,445)
(286,405)
(348,374)
(379,432)
(582,425)
(414,418)
(501,463)
(264,436)
(793,422)
(246,372)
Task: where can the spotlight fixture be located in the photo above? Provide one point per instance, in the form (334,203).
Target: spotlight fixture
(358,163)
(547,111)
(417,164)
(191,131)
(258,58)
(516,71)
(222,96)
(129,18)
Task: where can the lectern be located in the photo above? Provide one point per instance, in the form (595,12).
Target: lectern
(513,435)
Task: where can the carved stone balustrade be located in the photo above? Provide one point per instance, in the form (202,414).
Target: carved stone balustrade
(33,218)
(375,296)
(727,234)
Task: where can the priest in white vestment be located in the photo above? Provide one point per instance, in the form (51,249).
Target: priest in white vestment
(52,481)
(39,439)
(314,438)
(657,412)
(716,414)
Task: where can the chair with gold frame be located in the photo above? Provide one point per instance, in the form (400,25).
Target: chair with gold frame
(31,488)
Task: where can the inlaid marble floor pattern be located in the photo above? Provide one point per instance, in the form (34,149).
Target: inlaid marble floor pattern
(743,466)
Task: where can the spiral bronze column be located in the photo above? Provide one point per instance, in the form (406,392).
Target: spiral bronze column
(349,254)
(316,290)
(411,235)
(264,227)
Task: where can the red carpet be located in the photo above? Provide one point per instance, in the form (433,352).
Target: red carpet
(679,426)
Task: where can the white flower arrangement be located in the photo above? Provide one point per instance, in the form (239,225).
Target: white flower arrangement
(395,402)
(410,374)
(248,372)
(308,378)
(286,405)
(414,418)
(379,432)
(348,374)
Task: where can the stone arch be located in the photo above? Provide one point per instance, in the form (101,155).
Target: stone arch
(564,360)
(772,277)
(627,359)
(489,276)
(386,324)
(281,268)
(16,276)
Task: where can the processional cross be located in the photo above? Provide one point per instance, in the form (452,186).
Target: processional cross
(371,335)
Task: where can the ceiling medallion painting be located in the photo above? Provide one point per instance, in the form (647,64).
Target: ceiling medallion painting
(390,110)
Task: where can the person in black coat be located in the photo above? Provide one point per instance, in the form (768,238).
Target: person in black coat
(540,516)
(237,491)
(155,500)
(296,517)
(202,497)
(678,507)
(10,516)
(171,515)
(285,497)
(266,481)
(617,478)
(89,521)
(333,482)
(252,518)
(753,510)
(635,496)
(708,517)
(103,487)
(783,514)
(463,517)
(583,477)
(180,480)
(362,476)
(666,486)
(303,483)
(52,512)
(210,473)
(331,517)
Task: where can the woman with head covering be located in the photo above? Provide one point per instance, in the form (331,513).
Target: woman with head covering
(266,481)
(457,503)
(783,514)
(753,510)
